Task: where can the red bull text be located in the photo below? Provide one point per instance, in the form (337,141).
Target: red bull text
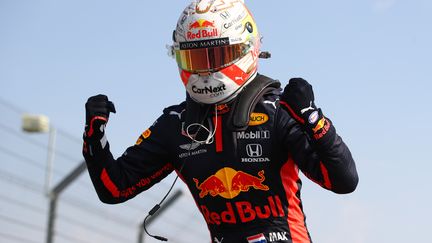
(202,34)
(244,212)
(206,29)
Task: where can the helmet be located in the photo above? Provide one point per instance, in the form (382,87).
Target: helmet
(216,46)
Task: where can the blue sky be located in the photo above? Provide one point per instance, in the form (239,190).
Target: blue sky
(368,61)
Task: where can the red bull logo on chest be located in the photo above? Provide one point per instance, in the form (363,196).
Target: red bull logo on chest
(229,183)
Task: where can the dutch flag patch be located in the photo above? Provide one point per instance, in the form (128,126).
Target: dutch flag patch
(260,238)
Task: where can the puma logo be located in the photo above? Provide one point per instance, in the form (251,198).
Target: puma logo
(175,113)
(216,240)
(273,103)
(307,108)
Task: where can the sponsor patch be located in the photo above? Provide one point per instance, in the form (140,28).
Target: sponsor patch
(254,151)
(255,160)
(235,20)
(263,134)
(192,153)
(259,238)
(319,125)
(190,146)
(202,29)
(187,45)
(209,89)
(257,119)
(201,23)
(313,117)
(325,129)
(229,183)
(235,212)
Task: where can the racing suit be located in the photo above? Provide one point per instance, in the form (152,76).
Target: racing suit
(246,183)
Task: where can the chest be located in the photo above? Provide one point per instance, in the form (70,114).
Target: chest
(249,151)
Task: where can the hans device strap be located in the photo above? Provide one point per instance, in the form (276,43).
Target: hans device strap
(246,101)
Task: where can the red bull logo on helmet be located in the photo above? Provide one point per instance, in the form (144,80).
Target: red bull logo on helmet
(229,183)
(202,29)
(201,23)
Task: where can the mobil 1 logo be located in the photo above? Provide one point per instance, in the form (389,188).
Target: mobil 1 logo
(251,135)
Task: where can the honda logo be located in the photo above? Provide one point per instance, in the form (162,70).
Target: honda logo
(254,150)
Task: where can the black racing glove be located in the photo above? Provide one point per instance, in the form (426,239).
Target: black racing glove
(97,113)
(298,99)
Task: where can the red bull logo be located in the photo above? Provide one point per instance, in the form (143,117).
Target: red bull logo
(324,129)
(229,183)
(222,109)
(201,24)
(205,29)
(319,125)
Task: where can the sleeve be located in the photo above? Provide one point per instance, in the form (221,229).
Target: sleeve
(140,167)
(326,161)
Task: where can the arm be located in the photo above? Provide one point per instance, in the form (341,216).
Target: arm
(313,142)
(140,167)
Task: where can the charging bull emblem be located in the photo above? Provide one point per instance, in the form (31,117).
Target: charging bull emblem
(229,183)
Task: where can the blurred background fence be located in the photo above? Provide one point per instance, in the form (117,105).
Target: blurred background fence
(79,217)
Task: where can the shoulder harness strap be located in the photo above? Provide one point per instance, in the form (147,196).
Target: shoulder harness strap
(243,106)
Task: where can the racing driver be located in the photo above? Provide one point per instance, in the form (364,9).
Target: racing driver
(238,140)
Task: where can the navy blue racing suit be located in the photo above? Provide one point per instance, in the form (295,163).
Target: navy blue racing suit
(246,184)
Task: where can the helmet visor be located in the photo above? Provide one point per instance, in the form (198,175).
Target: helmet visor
(209,59)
